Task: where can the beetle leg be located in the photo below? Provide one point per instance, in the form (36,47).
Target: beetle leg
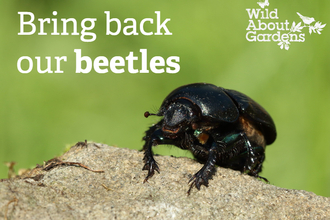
(219,152)
(215,153)
(203,175)
(254,154)
(254,162)
(154,137)
(150,141)
(150,163)
(250,152)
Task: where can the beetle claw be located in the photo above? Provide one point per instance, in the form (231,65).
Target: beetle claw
(151,166)
(199,179)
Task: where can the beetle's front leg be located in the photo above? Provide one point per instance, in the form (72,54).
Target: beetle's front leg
(217,152)
(150,163)
(203,175)
(154,136)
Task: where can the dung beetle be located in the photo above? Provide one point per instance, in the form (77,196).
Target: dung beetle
(219,126)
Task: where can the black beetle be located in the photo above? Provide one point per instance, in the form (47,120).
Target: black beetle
(219,126)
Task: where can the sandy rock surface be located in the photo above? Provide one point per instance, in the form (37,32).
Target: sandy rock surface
(64,189)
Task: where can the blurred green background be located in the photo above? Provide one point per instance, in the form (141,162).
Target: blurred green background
(41,114)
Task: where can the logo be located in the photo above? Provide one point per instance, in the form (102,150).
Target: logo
(265,26)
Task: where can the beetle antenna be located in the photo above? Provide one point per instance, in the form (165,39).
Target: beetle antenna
(147,114)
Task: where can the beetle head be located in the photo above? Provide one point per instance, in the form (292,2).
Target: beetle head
(178,116)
